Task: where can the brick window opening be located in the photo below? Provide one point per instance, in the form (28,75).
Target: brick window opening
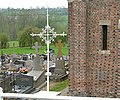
(104,31)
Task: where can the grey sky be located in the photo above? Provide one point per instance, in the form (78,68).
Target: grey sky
(32,3)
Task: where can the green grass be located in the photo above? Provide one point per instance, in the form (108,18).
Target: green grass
(60,86)
(27,50)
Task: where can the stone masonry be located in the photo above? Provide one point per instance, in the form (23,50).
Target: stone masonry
(94,69)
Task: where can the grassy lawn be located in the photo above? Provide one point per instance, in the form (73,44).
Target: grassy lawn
(27,50)
(60,86)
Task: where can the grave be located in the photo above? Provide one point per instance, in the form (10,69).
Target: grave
(24,84)
(59,45)
(34,78)
(23,80)
(58,70)
(38,61)
(59,63)
(38,73)
(5,83)
(25,57)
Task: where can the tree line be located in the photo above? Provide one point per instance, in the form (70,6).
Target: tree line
(18,24)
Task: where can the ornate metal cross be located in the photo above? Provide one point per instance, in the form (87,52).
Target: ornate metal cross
(48,36)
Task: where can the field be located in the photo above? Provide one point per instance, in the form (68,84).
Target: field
(26,50)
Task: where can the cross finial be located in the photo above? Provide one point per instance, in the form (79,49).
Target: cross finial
(59,45)
(36,47)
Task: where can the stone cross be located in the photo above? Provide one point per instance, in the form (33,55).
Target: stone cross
(36,47)
(59,45)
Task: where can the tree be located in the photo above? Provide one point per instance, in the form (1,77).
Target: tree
(25,39)
(3,40)
(13,20)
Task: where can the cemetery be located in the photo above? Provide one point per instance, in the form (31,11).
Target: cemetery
(27,72)
(91,69)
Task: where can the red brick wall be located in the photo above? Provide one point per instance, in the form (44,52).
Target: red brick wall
(93,73)
(77,45)
(99,64)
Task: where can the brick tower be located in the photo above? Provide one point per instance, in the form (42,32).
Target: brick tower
(94,48)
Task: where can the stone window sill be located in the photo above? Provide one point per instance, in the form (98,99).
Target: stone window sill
(104,51)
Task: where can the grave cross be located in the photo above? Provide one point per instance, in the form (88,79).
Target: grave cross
(36,47)
(59,45)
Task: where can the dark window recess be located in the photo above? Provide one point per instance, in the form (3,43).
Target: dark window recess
(104,29)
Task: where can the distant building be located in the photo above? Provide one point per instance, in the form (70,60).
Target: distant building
(94,48)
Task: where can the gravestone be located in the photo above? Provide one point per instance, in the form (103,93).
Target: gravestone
(23,80)
(38,61)
(25,57)
(59,45)
(37,72)
(24,84)
(59,66)
(59,63)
